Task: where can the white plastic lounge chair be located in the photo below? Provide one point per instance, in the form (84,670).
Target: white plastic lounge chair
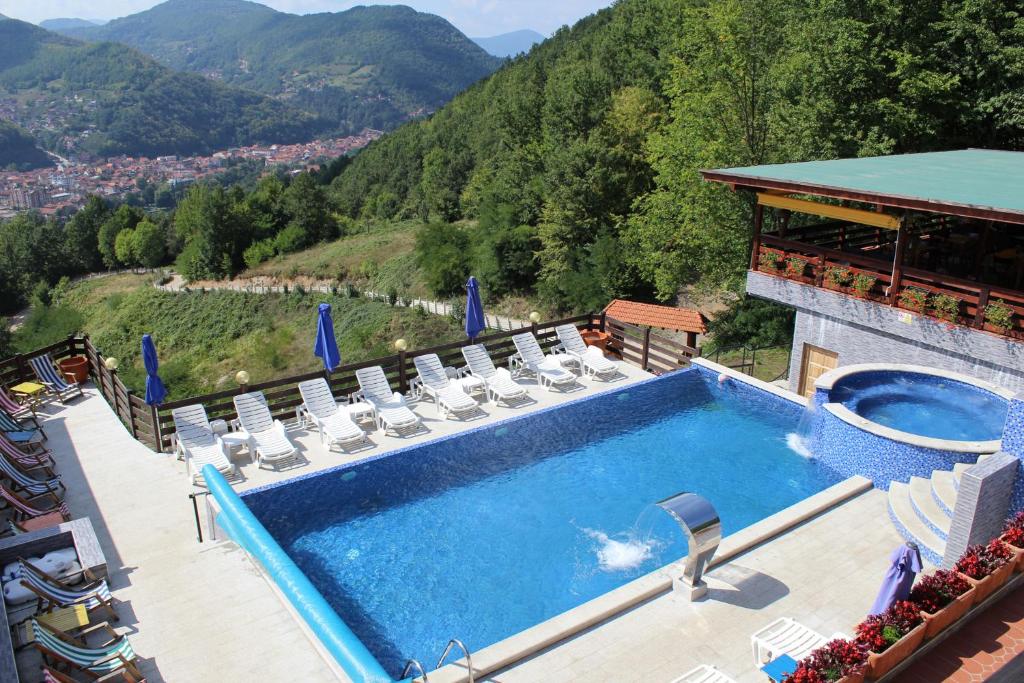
(548,369)
(500,385)
(786,636)
(446,393)
(335,426)
(389,407)
(591,359)
(705,673)
(198,444)
(53,379)
(267,439)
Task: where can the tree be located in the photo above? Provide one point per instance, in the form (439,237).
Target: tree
(210,224)
(305,205)
(82,234)
(124,248)
(443,252)
(751,322)
(150,244)
(124,218)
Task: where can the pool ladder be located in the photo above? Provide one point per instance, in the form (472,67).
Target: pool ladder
(414,664)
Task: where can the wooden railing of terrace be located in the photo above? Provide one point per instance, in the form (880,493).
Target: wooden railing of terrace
(974,297)
(155,426)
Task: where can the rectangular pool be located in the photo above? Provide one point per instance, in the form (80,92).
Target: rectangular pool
(481,535)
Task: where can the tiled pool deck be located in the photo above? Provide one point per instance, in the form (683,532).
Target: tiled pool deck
(203,612)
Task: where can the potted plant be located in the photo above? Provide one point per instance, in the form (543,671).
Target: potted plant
(986,566)
(838,277)
(1000,316)
(890,637)
(943,597)
(1013,536)
(914,299)
(838,660)
(76,367)
(769,260)
(863,284)
(946,307)
(795,266)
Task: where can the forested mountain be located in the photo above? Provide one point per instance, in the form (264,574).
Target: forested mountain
(368,66)
(510,44)
(106,98)
(18,150)
(66,24)
(581,159)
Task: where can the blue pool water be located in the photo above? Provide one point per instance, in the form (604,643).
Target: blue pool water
(923,404)
(483,535)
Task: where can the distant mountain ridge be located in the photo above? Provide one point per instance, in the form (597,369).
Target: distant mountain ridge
(106,99)
(64,24)
(365,67)
(510,44)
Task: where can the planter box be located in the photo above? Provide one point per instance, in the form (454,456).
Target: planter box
(881,663)
(1018,556)
(76,367)
(852,678)
(936,623)
(991,583)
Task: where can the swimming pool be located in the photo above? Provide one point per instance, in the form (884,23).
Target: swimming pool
(923,404)
(482,535)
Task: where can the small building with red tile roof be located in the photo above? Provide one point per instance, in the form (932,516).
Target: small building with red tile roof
(687,320)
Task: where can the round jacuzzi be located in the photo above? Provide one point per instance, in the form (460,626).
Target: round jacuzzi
(891,422)
(928,405)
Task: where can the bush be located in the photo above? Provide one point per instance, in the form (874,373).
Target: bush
(978,561)
(946,307)
(999,315)
(914,299)
(769,260)
(863,284)
(752,322)
(258,252)
(838,277)
(795,266)
(443,252)
(878,632)
(935,591)
(1013,530)
(833,661)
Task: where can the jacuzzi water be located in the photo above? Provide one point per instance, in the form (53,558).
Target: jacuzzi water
(926,405)
(483,535)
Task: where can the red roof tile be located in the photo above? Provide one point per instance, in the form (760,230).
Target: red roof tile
(652,315)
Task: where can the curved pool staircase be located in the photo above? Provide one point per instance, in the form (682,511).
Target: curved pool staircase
(922,509)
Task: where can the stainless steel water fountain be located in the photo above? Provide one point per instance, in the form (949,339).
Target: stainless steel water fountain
(699,521)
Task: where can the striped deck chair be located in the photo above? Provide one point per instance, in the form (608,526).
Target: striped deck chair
(15,409)
(26,508)
(23,481)
(390,408)
(114,656)
(267,438)
(34,459)
(199,445)
(19,433)
(53,379)
(54,593)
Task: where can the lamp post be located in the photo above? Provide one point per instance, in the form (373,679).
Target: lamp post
(111,364)
(242,378)
(403,383)
(534,319)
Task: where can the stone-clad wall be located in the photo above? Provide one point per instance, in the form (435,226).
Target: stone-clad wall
(867,332)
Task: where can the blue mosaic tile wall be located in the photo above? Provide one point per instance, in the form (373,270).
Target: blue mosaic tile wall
(1013,443)
(850,450)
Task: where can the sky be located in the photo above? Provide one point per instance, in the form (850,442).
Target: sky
(475,18)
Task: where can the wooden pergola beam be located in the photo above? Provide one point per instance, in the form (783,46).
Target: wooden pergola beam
(843,213)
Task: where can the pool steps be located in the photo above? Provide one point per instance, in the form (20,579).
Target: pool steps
(922,509)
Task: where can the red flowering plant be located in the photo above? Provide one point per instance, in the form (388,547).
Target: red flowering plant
(978,561)
(1013,530)
(879,631)
(935,591)
(831,662)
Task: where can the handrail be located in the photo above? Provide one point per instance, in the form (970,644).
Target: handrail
(447,651)
(408,669)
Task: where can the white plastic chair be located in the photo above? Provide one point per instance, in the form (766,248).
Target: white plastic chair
(591,359)
(447,393)
(786,636)
(334,425)
(197,443)
(267,439)
(548,369)
(705,673)
(389,407)
(500,385)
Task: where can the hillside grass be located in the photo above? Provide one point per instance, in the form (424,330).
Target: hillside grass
(203,339)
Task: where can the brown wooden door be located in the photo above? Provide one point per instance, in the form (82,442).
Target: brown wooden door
(816,362)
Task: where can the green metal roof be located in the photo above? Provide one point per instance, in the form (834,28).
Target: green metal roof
(972,182)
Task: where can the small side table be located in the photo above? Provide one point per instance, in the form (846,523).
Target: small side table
(235,441)
(473,385)
(361,411)
(779,668)
(31,392)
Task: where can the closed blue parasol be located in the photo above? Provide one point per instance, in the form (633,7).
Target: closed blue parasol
(156,392)
(326,346)
(904,564)
(474,310)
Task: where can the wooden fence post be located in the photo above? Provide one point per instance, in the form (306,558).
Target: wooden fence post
(158,436)
(403,383)
(22,367)
(113,392)
(979,315)
(131,414)
(604,320)
(647,348)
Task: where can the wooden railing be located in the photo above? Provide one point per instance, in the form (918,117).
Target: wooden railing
(973,297)
(155,426)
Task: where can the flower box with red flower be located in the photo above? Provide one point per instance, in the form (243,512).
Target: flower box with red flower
(839,661)
(943,597)
(891,637)
(1013,536)
(987,567)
